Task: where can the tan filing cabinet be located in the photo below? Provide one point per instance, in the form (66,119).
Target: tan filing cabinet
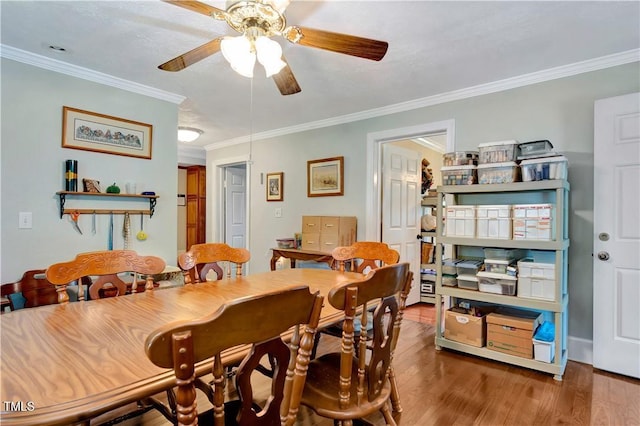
(324,233)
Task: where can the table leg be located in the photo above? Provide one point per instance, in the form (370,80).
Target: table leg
(293,263)
(274,259)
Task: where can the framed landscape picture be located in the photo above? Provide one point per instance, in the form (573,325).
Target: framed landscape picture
(325,177)
(275,186)
(90,131)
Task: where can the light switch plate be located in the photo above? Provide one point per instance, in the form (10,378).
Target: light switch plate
(278,212)
(25,220)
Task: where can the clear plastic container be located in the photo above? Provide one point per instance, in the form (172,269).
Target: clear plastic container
(468,282)
(500,266)
(503,254)
(496,283)
(459,175)
(534,148)
(468,267)
(547,168)
(449,266)
(449,280)
(460,158)
(497,152)
(506,172)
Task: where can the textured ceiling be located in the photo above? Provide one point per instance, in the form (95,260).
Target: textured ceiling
(434,48)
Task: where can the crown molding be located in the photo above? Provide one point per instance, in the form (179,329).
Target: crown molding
(56,65)
(595,64)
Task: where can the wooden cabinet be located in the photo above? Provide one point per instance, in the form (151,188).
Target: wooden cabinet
(324,233)
(196,205)
(555,250)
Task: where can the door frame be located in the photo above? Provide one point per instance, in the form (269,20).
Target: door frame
(216,230)
(373,231)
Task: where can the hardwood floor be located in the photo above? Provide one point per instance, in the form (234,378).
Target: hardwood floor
(449,388)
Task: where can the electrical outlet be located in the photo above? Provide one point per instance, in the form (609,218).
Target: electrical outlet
(25,220)
(278,212)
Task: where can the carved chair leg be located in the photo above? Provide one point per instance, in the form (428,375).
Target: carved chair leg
(386,412)
(316,341)
(395,395)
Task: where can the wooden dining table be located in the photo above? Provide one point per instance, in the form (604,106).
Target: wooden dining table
(63,364)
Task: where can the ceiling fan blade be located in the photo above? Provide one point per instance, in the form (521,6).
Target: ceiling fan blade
(340,43)
(192,56)
(286,81)
(198,7)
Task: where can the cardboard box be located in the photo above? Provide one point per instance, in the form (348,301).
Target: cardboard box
(465,328)
(511,331)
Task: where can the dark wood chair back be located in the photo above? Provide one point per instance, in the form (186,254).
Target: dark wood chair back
(201,258)
(363,256)
(352,384)
(105,265)
(259,321)
(35,288)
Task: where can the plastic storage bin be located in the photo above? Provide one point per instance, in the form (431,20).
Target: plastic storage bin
(449,280)
(506,172)
(460,221)
(468,282)
(468,267)
(494,222)
(459,175)
(534,149)
(503,254)
(499,266)
(547,168)
(497,152)
(533,222)
(460,158)
(449,266)
(536,280)
(496,283)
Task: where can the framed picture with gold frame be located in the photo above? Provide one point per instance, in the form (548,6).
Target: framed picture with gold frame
(325,177)
(91,131)
(275,186)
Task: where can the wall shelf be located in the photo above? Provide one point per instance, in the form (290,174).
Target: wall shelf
(64,194)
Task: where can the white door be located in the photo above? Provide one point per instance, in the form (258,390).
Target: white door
(401,178)
(235,206)
(616,263)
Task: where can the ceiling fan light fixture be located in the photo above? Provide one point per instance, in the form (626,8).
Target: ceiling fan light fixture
(238,51)
(188,134)
(269,54)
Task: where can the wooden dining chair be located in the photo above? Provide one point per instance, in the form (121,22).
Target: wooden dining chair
(352,383)
(32,290)
(105,265)
(363,256)
(201,258)
(253,325)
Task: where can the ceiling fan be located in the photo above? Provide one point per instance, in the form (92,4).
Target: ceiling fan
(257,21)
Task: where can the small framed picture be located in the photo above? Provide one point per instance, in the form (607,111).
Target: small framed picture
(91,185)
(325,177)
(275,186)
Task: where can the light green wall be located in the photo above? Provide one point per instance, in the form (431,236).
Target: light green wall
(559,110)
(32,169)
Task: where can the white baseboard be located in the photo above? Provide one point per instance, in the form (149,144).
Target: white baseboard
(580,350)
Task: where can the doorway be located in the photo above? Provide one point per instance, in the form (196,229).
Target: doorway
(235,205)
(230,196)
(416,137)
